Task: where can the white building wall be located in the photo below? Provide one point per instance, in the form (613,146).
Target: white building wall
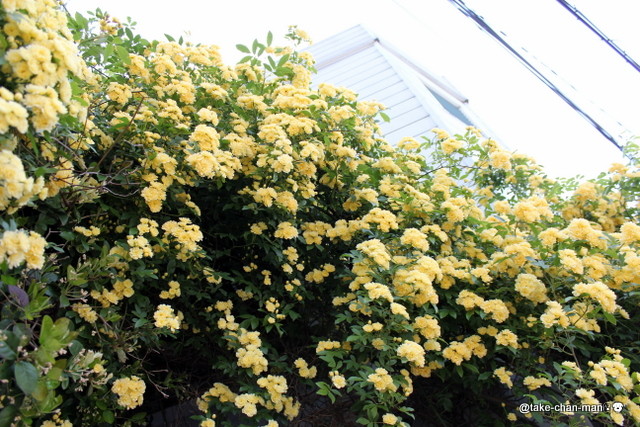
(356,59)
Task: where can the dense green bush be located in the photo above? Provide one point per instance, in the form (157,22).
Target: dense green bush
(173,227)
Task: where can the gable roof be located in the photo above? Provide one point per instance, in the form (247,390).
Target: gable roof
(416,100)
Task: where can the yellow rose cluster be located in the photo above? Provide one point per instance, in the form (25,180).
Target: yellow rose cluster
(165,318)
(531,288)
(85,312)
(41,56)
(184,235)
(376,250)
(412,351)
(122,288)
(304,370)
(250,356)
(173,292)
(459,351)
(19,246)
(381,380)
(130,391)
(16,189)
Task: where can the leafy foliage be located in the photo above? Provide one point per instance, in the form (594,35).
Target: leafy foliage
(175,228)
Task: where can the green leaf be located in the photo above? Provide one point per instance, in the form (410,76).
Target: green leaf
(138,418)
(459,371)
(108,51)
(269,38)
(283,60)
(272,63)
(50,402)
(108,417)
(483,376)
(45,329)
(26,376)
(64,301)
(123,54)
(81,20)
(140,322)
(6,352)
(68,235)
(9,280)
(7,415)
(61,328)
(23,333)
(243,48)
(609,317)
(56,372)
(283,71)
(44,170)
(75,347)
(470,366)
(101,404)
(41,393)
(329,359)
(384,117)
(293,315)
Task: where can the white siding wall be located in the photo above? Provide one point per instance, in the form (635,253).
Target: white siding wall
(354,59)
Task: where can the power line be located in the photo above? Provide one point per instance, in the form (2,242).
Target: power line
(580,16)
(485,27)
(573,89)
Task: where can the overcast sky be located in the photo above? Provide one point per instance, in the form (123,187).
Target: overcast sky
(518,109)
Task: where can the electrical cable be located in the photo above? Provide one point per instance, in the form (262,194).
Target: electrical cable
(485,27)
(534,58)
(580,16)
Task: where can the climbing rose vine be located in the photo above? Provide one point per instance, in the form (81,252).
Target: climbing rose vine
(176,229)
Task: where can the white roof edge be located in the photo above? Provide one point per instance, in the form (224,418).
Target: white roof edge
(428,101)
(438,81)
(454,100)
(346,53)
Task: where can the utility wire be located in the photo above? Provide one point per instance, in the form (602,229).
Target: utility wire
(580,16)
(572,87)
(485,27)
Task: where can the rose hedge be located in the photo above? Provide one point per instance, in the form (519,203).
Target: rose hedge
(173,227)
